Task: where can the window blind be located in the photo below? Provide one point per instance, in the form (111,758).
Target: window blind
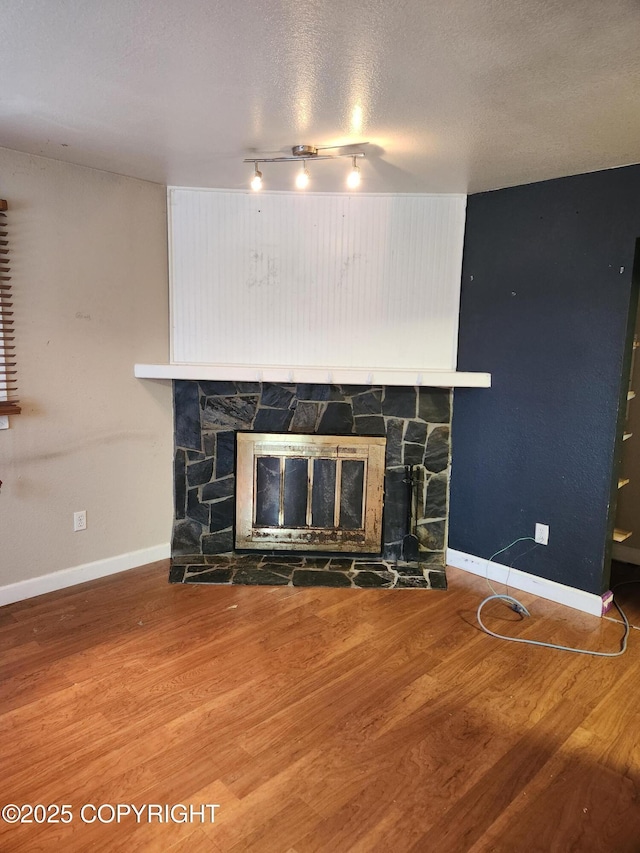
(8,373)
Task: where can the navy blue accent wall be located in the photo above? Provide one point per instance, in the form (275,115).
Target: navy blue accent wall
(545,299)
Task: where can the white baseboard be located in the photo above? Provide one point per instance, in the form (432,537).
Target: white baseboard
(588,602)
(80,574)
(626,554)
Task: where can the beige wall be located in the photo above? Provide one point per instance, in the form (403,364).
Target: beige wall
(628,510)
(88,256)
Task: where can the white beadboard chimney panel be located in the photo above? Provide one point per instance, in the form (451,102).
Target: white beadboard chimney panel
(309,280)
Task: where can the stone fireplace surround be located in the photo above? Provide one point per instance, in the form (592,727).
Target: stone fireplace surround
(207,415)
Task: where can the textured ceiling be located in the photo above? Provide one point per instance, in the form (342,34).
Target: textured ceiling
(453,95)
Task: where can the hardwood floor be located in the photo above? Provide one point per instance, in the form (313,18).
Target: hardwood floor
(318,720)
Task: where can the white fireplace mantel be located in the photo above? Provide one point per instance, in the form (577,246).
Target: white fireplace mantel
(331,375)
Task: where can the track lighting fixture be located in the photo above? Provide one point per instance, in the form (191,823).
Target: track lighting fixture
(310,152)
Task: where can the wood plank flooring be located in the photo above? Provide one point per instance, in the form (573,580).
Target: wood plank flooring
(318,720)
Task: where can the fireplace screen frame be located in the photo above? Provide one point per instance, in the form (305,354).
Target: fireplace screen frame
(366,539)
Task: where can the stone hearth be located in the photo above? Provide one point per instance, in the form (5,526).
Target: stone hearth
(290,570)
(207,416)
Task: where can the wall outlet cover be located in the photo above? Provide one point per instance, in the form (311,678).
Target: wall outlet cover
(542,534)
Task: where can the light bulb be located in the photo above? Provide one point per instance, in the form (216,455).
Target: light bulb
(256,180)
(353,179)
(302,179)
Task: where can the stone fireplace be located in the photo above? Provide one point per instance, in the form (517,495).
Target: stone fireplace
(210,414)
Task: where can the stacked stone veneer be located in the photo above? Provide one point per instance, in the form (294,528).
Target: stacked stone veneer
(207,415)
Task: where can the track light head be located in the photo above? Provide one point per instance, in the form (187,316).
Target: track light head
(256,180)
(302,178)
(353,179)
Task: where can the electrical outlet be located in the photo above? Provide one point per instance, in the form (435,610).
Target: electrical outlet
(79,520)
(542,534)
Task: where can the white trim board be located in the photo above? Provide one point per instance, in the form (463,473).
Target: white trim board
(80,574)
(588,602)
(350,375)
(626,554)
